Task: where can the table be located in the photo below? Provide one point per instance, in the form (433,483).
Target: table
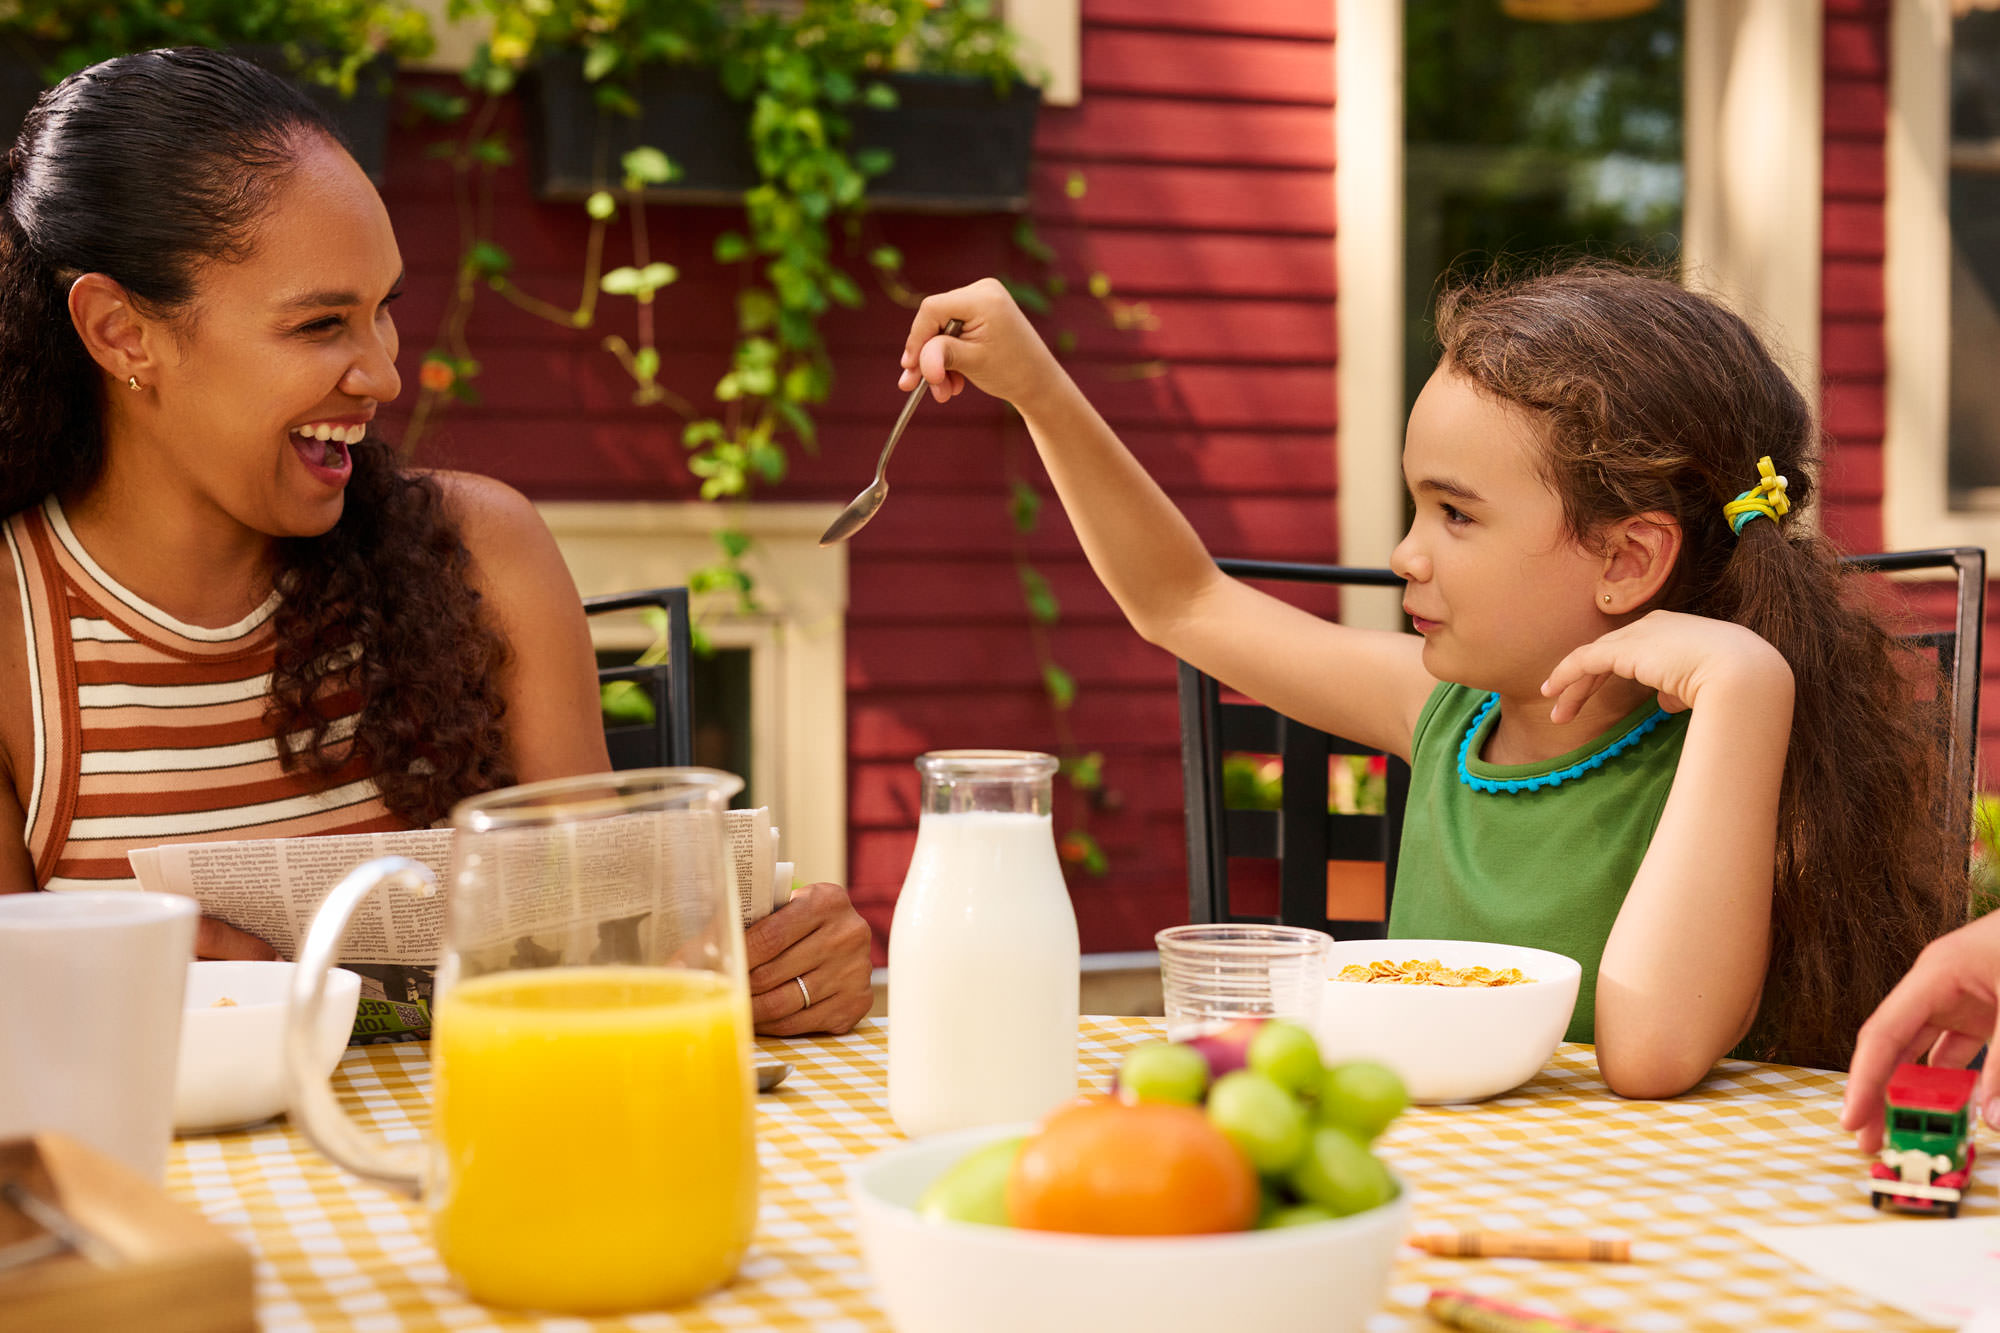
(1755,1145)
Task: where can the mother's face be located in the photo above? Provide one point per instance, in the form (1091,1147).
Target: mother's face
(283,357)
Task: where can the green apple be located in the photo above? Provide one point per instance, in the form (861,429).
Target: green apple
(974,1189)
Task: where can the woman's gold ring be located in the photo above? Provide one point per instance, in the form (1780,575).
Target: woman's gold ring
(804,994)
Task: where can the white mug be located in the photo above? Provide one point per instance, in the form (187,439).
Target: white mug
(91,990)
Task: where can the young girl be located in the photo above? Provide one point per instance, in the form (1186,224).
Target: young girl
(1643,728)
(227,611)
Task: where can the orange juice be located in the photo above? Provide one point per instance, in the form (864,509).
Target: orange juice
(593,1149)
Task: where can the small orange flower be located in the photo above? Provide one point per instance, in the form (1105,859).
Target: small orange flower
(1073,848)
(437,376)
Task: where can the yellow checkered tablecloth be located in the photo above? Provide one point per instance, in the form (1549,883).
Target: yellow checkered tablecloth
(1756,1145)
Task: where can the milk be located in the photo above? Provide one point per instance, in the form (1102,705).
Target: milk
(983,997)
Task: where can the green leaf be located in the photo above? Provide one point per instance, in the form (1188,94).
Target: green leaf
(601,205)
(647,166)
(616,100)
(622,281)
(843,290)
(1065,341)
(599,59)
(730,247)
(1060,685)
(493,151)
(1041,599)
(886,257)
(755,309)
(880,96)
(1027,296)
(706,431)
(1100,285)
(874,161)
(733,542)
(625,704)
(646,363)
(487,260)
(444,108)
(1085,772)
(799,420)
(1030,243)
(1025,506)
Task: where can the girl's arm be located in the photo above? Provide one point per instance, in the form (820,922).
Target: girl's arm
(1683,970)
(555,723)
(1365,685)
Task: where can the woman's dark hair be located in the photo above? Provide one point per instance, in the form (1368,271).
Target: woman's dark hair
(145,168)
(1655,399)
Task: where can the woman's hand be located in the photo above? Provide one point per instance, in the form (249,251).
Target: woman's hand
(997,349)
(1676,654)
(819,938)
(216,938)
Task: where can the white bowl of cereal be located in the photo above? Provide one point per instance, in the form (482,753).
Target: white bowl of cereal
(232,1056)
(1461,1041)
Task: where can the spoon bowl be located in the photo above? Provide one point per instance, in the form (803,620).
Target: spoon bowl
(863,506)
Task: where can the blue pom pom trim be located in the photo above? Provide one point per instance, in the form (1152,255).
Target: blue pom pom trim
(1561,775)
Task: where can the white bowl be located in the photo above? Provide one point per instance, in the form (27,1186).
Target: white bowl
(961,1277)
(232,1068)
(1450,1043)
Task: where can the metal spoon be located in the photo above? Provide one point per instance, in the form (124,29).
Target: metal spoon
(863,506)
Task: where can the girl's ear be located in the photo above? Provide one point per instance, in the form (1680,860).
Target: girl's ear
(1639,556)
(113,332)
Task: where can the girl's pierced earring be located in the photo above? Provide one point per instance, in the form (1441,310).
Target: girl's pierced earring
(1607,599)
(133,381)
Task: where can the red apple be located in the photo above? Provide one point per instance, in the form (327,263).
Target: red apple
(1226,1049)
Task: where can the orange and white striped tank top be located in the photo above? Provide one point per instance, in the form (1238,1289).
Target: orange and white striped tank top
(150,730)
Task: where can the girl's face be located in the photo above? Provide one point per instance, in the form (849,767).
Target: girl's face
(1497,586)
(283,357)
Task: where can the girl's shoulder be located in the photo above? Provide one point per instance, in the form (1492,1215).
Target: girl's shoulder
(485,508)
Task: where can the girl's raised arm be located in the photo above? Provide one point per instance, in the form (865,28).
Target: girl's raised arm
(1365,685)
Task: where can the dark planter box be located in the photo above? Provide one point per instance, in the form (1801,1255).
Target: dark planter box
(363,118)
(958,146)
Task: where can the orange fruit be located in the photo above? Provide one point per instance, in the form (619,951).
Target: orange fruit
(1116,1168)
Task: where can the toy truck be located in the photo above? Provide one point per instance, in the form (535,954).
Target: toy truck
(1925,1165)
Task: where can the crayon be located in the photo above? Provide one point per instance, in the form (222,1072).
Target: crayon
(1478,1314)
(1522,1245)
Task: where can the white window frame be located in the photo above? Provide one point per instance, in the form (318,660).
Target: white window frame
(1916,281)
(797,641)
(1751,231)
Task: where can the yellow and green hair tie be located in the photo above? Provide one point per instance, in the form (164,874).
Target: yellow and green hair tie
(1764,500)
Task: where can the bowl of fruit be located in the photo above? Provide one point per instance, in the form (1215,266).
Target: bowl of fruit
(1459,1020)
(1227,1183)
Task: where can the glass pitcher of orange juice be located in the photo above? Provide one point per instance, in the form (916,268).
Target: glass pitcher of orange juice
(591,1147)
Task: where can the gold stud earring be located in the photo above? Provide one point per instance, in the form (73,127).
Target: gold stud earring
(133,381)
(1607,599)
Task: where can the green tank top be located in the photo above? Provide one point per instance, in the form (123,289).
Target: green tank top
(1547,868)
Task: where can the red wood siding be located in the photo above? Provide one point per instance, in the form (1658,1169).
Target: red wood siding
(1205,137)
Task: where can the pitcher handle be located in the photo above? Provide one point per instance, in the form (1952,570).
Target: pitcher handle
(313,1106)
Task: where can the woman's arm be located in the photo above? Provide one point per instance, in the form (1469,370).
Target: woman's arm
(555,723)
(1366,685)
(1683,970)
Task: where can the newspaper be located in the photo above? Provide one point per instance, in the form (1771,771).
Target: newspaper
(585,888)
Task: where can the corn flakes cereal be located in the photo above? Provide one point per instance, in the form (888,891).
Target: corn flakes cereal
(1430,972)
(223,1003)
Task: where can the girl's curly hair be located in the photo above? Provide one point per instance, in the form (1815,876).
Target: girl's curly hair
(1655,399)
(145,168)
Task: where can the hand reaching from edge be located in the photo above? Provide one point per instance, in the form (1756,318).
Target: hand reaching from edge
(817,936)
(1946,1008)
(997,349)
(215,938)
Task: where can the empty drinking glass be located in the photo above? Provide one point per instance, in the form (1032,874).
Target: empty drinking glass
(1211,975)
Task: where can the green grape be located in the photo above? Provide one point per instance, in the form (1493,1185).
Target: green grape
(1340,1174)
(1260,1118)
(1286,1053)
(1298,1215)
(974,1189)
(1163,1071)
(1361,1097)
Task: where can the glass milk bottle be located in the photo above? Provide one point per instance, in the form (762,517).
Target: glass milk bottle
(982,952)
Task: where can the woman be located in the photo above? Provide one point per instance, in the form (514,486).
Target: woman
(232,614)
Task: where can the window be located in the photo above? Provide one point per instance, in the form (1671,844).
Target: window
(1750,199)
(1973,207)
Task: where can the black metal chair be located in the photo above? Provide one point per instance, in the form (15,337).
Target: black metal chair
(1302,835)
(667,740)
